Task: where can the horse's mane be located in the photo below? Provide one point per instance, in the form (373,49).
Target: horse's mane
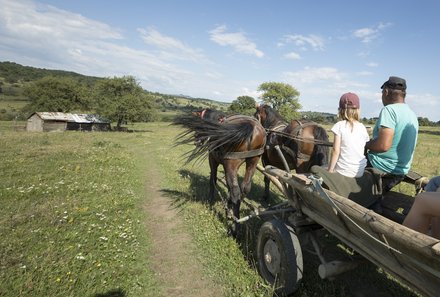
(321,152)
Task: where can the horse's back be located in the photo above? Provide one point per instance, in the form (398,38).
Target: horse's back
(256,132)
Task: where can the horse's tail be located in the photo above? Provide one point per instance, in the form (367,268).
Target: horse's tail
(321,151)
(210,136)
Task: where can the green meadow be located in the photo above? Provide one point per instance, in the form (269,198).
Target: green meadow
(72,224)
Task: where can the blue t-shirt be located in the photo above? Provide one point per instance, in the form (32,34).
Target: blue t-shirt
(403,121)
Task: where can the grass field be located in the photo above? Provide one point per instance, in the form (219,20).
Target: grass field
(70,220)
(70,216)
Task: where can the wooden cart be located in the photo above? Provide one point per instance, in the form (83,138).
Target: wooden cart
(410,256)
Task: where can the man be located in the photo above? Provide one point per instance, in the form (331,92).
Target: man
(394,139)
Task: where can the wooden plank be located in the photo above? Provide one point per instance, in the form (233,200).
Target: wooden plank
(413,265)
(408,255)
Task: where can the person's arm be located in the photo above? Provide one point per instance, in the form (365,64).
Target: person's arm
(336,150)
(383,142)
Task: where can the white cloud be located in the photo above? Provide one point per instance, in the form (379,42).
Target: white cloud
(368,34)
(311,75)
(372,64)
(238,41)
(364,73)
(424,105)
(321,87)
(292,56)
(43,36)
(32,21)
(250,92)
(304,43)
(173,48)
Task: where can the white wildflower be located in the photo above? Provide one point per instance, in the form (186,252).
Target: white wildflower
(80,257)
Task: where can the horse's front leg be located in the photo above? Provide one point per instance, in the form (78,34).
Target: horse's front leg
(213,165)
(266,194)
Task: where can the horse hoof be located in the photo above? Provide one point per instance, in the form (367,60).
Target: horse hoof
(232,233)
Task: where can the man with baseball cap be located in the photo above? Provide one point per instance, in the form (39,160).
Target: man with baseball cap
(394,139)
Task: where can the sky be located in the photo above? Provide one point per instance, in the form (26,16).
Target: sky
(221,50)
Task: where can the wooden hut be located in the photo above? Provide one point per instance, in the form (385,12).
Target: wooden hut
(59,121)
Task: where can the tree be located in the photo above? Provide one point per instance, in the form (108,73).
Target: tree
(243,105)
(424,121)
(121,99)
(283,97)
(56,94)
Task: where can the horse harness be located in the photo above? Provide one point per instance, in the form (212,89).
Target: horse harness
(296,133)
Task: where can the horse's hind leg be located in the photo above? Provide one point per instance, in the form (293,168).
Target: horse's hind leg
(231,169)
(213,165)
(235,208)
(251,166)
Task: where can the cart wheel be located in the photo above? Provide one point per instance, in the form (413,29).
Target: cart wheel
(279,255)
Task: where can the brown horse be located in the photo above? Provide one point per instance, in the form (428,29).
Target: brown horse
(230,142)
(302,143)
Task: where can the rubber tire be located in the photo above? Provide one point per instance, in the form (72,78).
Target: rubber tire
(287,271)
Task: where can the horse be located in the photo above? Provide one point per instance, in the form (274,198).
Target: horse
(303,143)
(210,114)
(230,142)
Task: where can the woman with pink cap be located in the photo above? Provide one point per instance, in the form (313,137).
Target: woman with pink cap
(350,137)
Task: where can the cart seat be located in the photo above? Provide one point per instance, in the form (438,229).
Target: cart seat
(365,190)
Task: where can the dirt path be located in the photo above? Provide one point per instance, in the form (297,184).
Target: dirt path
(173,252)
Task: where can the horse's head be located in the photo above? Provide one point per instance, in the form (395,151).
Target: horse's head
(267,116)
(260,113)
(211,115)
(198,113)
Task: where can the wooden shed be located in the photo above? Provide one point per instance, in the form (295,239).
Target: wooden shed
(60,121)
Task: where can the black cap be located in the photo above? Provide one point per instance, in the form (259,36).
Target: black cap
(395,82)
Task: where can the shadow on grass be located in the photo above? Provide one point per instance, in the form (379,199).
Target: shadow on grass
(366,280)
(198,192)
(111,293)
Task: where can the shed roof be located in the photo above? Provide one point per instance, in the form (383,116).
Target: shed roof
(71,117)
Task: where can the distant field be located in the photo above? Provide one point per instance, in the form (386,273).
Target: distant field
(70,214)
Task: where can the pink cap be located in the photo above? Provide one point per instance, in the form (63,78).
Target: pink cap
(349,100)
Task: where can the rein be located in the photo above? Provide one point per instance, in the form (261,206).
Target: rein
(299,138)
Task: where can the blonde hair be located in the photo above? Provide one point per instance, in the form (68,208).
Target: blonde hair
(350,115)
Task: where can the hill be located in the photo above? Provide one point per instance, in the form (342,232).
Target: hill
(14,78)
(15,73)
